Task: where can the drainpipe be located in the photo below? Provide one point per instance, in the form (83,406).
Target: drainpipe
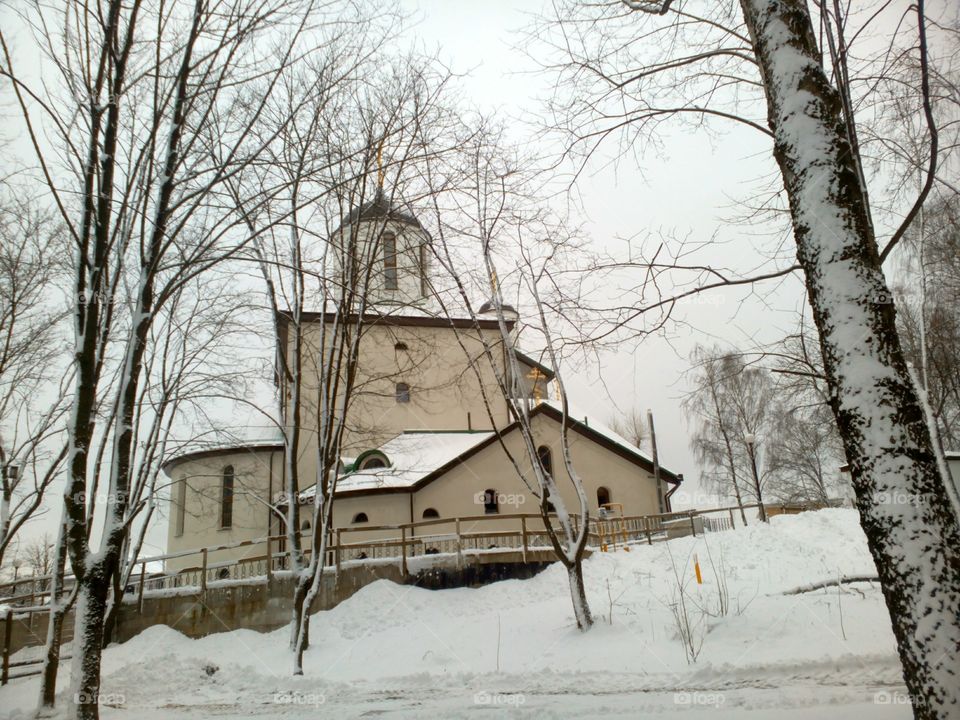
(412,529)
(671,491)
(270,496)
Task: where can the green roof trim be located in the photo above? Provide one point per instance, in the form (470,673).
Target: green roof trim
(363,456)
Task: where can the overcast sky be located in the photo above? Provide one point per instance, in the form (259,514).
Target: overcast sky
(686,191)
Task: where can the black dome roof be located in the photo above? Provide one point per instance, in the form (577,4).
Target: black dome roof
(488,306)
(380,208)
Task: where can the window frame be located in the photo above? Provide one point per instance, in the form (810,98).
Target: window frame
(181,516)
(545,458)
(391,276)
(491,502)
(609,496)
(228,479)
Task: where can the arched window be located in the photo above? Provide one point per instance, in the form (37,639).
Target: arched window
(490,504)
(226,497)
(371,460)
(360,518)
(546,459)
(401,347)
(403,393)
(603,496)
(305,525)
(430,513)
(390,261)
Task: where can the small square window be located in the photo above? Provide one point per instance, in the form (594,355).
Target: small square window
(403,393)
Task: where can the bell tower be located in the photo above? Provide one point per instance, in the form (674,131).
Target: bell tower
(395,245)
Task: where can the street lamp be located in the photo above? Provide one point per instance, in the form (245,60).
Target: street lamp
(750,439)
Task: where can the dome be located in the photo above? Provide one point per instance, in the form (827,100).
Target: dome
(488,307)
(380,208)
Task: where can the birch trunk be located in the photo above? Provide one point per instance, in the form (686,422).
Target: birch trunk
(58,612)
(905,509)
(87,643)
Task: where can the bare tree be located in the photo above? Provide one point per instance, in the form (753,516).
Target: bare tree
(726,65)
(485,207)
(380,140)
(137,183)
(929,319)
(633,426)
(717,441)
(33,385)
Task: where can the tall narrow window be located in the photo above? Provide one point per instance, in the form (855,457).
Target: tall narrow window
(491,505)
(390,261)
(181,505)
(603,496)
(403,393)
(546,462)
(546,459)
(226,498)
(424,285)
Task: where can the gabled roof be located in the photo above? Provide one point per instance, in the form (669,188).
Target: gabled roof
(605,436)
(413,456)
(530,362)
(385,480)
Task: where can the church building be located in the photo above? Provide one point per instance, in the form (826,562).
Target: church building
(428,429)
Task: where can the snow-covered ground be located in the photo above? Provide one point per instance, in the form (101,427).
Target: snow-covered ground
(512,649)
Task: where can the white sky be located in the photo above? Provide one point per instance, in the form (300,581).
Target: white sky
(688,190)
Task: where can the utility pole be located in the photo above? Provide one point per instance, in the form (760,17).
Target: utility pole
(751,440)
(656,462)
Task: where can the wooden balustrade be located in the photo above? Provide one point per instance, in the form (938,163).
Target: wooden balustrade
(466,535)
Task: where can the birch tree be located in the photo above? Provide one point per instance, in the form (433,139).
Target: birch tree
(485,212)
(718,64)
(345,168)
(128,92)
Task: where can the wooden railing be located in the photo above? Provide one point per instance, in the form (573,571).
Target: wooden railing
(408,541)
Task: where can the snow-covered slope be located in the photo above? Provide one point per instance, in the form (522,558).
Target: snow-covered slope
(512,648)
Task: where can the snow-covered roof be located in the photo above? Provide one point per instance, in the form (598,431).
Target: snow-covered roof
(197,450)
(594,424)
(413,456)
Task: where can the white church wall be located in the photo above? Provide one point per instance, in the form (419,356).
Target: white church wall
(197,483)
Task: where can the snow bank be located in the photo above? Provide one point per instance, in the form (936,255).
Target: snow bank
(518,637)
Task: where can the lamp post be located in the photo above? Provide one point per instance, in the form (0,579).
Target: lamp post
(751,440)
